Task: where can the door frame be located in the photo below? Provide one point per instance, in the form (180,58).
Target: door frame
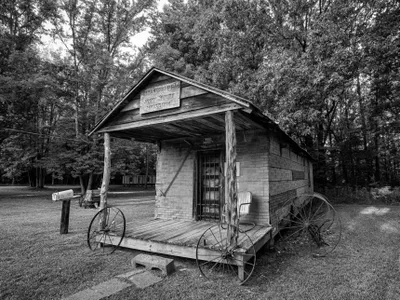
(198,182)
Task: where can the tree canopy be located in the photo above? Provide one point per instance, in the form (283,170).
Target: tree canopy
(328,71)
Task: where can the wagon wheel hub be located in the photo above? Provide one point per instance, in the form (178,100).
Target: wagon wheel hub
(227,253)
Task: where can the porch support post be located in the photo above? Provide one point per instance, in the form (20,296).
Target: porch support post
(106,173)
(230,179)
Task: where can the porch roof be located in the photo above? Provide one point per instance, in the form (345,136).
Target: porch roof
(186,123)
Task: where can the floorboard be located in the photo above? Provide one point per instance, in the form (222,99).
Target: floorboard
(176,234)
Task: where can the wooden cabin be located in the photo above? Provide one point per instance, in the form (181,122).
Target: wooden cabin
(205,135)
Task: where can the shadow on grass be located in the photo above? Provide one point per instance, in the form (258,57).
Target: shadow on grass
(39,263)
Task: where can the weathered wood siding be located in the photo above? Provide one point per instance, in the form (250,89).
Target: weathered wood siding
(290,175)
(192,99)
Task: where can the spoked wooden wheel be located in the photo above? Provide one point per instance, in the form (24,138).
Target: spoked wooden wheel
(217,260)
(310,226)
(106,230)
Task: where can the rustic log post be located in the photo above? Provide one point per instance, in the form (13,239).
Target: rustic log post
(65,216)
(147,167)
(230,179)
(106,173)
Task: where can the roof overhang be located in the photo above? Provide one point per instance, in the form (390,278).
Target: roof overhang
(189,124)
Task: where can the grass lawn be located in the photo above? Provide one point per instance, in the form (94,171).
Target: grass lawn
(36,262)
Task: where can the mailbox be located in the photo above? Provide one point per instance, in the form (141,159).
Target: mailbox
(64,195)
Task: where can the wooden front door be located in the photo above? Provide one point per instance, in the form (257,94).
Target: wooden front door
(210,183)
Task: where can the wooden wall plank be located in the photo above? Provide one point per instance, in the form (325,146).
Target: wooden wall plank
(191,91)
(173,118)
(159,77)
(186,92)
(188,104)
(133,104)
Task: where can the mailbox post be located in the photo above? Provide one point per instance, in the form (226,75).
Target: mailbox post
(65,197)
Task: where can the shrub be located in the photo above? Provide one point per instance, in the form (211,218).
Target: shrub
(355,195)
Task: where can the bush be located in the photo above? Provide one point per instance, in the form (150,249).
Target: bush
(356,195)
(388,195)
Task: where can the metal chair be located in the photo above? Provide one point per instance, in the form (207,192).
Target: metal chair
(243,208)
(244,202)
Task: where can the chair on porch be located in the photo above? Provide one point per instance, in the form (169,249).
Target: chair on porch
(244,202)
(243,208)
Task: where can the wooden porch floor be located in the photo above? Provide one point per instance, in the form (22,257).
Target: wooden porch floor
(179,238)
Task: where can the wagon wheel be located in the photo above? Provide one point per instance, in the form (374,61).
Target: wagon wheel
(106,230)
(311,225)
(217,260)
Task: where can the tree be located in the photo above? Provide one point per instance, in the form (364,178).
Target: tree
(23,90)
(97,37)
(327,71)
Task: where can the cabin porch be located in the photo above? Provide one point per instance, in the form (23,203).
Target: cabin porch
(180,238)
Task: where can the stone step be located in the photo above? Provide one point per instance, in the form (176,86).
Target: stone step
(165,265)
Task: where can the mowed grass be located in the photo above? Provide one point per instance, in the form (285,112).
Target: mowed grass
(36,262)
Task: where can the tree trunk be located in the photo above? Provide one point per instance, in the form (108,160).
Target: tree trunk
(376,138)
(37,177)
(344,169)
(29,178)
(76,118)
(333,159)
(147,167)
(41,178)
(90,181)
(82,184)
(364,131)
(321,160)
(377,159)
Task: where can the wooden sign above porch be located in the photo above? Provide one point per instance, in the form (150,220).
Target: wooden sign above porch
(160,97)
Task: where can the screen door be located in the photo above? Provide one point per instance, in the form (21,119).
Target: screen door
(210,180)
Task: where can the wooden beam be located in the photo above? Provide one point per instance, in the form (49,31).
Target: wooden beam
(210,124)
(107,171)
(245,119)
(219,118)
(172,118)
(230,179)
(181,130)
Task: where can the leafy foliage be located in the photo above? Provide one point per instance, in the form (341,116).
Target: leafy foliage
(49,101)
(327,71)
